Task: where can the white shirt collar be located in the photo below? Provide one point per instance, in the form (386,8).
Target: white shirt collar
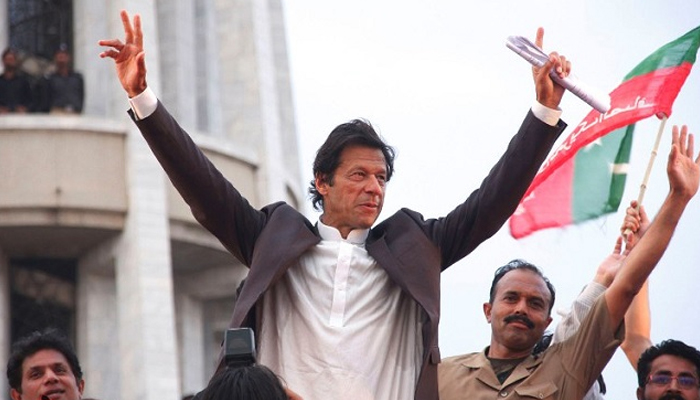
(356,236)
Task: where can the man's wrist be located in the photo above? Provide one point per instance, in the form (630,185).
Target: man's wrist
(144,103)
(549,116)
(603,279)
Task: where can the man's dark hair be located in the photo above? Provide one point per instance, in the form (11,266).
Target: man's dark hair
(7,51)
(354,133)
(667,347)
(520,264)
(254,382)
(47,339)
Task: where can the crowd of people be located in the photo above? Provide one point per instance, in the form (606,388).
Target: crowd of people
(59,91)
(348,309)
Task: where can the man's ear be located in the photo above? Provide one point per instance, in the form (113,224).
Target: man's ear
(549,320)
(81,386)
(15,394)
(321,184)
(640,393)
(487,312)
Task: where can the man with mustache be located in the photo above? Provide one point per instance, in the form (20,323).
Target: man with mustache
(669,371)
(43,366)
(521,301)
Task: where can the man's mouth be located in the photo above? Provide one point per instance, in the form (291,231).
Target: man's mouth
(370,205)
(52,394)
(672,396)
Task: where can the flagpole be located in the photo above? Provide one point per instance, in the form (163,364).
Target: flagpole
(654,152)
(652,158)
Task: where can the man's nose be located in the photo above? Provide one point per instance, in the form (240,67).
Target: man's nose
(374,185)
(50,376)
(673,386)
(521,307)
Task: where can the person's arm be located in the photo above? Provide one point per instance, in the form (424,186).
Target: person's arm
(130,63)
(636,222)
(683,175)
(484,212)
(635,225)
(570,322)
(215,203)
(548,92)
(637,327)
(638,317)
(604,276)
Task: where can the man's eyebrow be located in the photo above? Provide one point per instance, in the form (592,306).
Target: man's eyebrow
(35,368)
(663,372)
(537,297)
(54,365)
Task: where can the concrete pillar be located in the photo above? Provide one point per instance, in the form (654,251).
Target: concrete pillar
(272,171)
(249,88)
(190,332)
(144,285)
(144,292)
(4,25)
(177,51)
(92,21)
(238,86)
(208,73)
(217,315)
(288,132)
(97,329)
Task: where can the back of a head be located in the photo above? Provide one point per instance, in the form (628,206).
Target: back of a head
(255,382)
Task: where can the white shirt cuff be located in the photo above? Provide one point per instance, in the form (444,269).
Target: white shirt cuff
(547,115)
(144,103)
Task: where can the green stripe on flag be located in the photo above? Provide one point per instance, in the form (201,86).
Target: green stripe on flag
(683,49)
(602,161)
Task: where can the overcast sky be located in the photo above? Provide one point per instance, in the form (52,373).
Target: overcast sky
(436,80)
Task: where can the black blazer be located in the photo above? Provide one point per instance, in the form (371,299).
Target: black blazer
(412,250)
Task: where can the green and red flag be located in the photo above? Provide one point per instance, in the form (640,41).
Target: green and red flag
(585,176)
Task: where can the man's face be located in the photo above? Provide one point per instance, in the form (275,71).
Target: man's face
(62,59)
(9,61)
(673,367)
(355,198)
(47,373)
(519,314)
